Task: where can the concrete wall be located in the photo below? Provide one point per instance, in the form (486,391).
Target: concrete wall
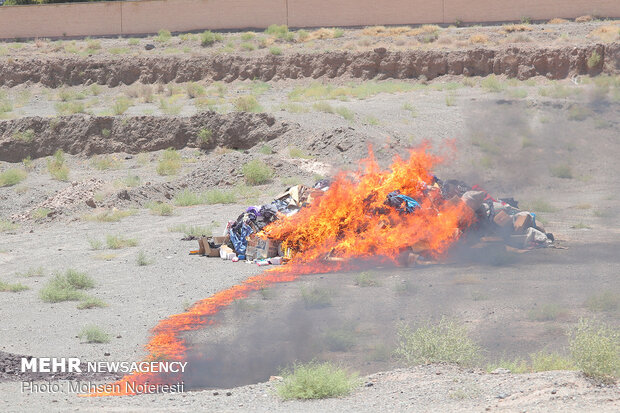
(148,16)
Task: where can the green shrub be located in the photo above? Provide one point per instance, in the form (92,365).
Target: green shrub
(256,172)
(276,51)
(266,150)
(365,279)
(594,59)
(6,225)
(279,31)
(295,152)
(443,342)
(595,350)
(492,84)
(247,104)
(40,213)
(163,36)
(169,162)
(563,171)
(205,136)
(106,162)
(32,272)
(24,136)
(195,90)
(65,287)
(316,381)
(188,198)
(121,105)
(57,168)
(70,108)
(12,177)
(94,334)
(247,46)
(208,38)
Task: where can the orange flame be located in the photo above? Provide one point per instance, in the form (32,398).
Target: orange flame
(350,222)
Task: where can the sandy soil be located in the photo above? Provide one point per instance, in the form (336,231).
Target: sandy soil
(515,138)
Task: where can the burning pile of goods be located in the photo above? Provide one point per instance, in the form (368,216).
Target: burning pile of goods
(405,214)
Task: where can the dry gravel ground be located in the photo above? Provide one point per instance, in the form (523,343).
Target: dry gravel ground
(515,138)
(418,389)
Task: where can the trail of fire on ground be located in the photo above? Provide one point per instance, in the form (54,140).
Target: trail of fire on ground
(401,215)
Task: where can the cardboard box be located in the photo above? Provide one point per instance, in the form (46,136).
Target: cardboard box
(204,248)
(259,248)
(522,221)
(502,219)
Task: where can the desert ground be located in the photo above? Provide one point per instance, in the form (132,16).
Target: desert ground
(153,147)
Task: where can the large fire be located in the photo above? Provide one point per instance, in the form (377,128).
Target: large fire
(346,226)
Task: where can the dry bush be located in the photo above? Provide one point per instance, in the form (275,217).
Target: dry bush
(557,20)
(322,33)
(478,38)
(606,33)
(401,30)
(584,19)
(511,28)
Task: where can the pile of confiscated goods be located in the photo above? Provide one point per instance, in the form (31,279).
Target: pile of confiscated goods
(497,220)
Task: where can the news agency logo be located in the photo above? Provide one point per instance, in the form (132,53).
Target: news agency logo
(75,365)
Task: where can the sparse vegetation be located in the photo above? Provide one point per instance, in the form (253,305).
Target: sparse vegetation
(563,171)
(595,349)
(340,110)
(116,242)
(94,334)
(12,177)
(6,225)
(295,152)
(13,288)
(105,162)
(594,60)
(607,301)
(143,260)
(445,341)
(66,287)
(91,302)
(492,84)
(121,104)
(57,167)
(208,38)
(24,136)
(256,172)
(218,196)
(163,36)
(546,312)
(205,136)
(32,272)
(113,215)
(247,103)
(169,162)
(160,208)
(543,361)
(40,213)
(365,279)
(316,381)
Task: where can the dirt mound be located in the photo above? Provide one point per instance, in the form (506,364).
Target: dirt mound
(514,61)
(89,135)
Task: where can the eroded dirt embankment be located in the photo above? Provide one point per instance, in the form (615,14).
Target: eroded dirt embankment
(89,135)
(523,61)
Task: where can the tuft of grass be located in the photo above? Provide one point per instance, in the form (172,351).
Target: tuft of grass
(342,339)
(479,38)
(607,301)
(325,107)
(169,162)
(365,279)
(40,213)
(218,196)
(208,38)
(581,225)
(256,172)
(316,297)
(69,108)
(492,84)
(546,312)
(276,51)
(266,150)
(105,162)
(121,105)
(295,152)
(66,287)
(110,215)
(188,198)
(116,242)
(160,208)
(142,260)
(280,32)
(13,288)
(445,341)
(91,302)
(316,381)
(94,334)
(6,225)
(195,231)
(95,244)
(32,272)
(247,103)
(12,177)
(195,90)
(24,136)
(562,170)
(57,167)
(595,350)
